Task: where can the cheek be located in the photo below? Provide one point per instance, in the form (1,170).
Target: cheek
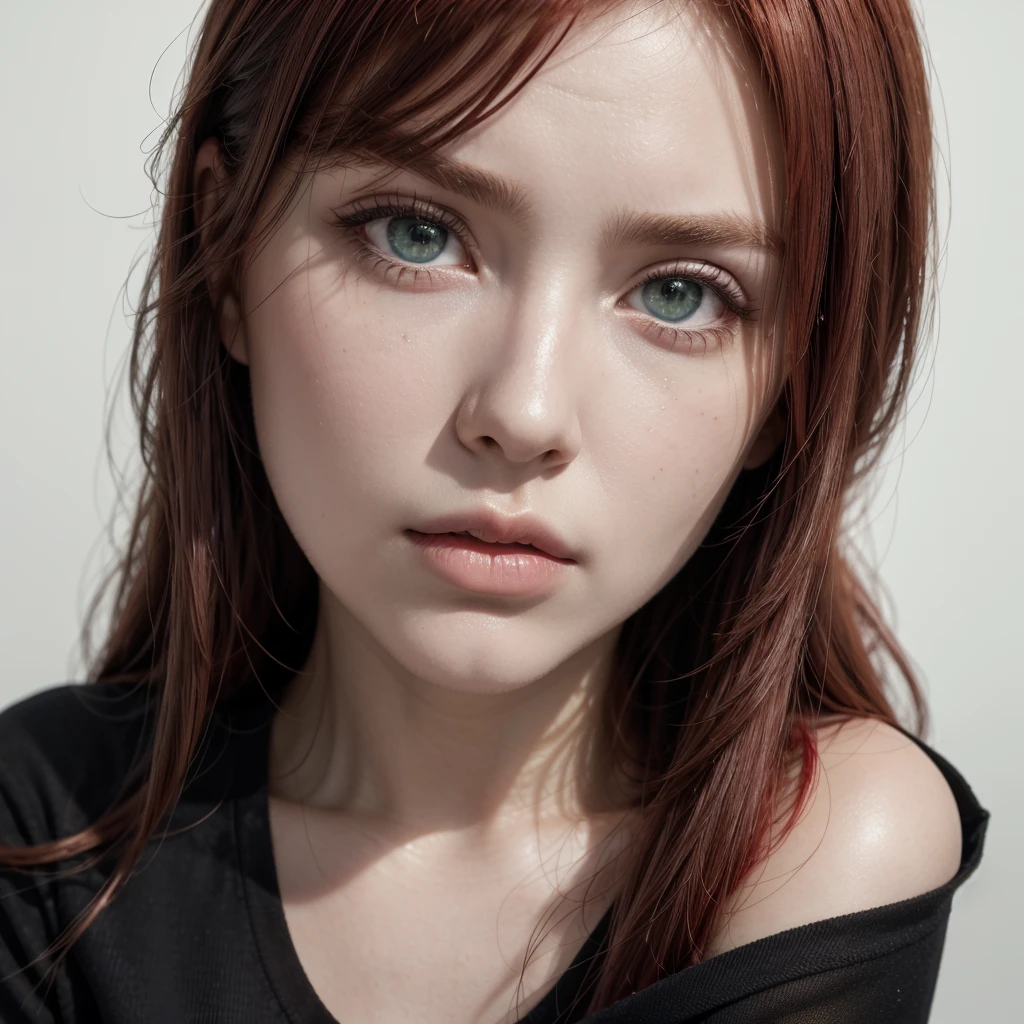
(340,405)
(676,457)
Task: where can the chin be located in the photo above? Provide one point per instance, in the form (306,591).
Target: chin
(472,652)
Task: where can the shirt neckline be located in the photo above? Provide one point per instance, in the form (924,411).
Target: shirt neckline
(250,726)
(905,920)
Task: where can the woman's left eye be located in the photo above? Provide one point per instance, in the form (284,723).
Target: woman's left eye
(680,299)
(416,239)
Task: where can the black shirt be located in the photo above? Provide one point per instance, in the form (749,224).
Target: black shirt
(199,933)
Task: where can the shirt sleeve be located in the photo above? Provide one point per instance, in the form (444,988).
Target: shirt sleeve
(895,987)
(875,966)
(27,915)
(65,753)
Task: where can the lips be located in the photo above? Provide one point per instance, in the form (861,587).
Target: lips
(492,527)
(511,545)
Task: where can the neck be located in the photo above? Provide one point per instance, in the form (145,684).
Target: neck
(359,734)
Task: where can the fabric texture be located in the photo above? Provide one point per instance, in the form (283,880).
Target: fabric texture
(198,934)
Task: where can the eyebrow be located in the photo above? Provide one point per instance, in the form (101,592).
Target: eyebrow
(720,230)
(627,228)
(490,191)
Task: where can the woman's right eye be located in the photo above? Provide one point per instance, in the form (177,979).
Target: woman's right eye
(416,240)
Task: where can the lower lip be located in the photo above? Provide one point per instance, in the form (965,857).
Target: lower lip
(512,570)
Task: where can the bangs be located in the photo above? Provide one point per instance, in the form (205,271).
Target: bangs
(433,75)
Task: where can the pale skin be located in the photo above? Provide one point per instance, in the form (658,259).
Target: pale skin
(432,780)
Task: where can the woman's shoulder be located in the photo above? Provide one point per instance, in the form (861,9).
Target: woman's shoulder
(881,824)
(65,752)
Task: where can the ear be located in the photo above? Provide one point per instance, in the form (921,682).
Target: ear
(769,437)
(208,176)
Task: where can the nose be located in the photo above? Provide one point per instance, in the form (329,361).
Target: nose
(522,402)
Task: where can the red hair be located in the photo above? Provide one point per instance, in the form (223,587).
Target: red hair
(721,676)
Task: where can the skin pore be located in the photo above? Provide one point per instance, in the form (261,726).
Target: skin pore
(436,786)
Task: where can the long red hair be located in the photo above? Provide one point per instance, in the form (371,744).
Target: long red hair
(721,676)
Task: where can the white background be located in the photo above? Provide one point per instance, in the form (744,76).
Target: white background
(83,92)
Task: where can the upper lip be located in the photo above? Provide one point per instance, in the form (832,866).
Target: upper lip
(520,529)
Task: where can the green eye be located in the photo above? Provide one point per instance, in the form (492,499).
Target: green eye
(673,298)
(415,239)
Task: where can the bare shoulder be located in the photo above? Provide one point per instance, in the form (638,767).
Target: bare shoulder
(881,825)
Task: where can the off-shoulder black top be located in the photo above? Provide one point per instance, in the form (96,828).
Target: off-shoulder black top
(199,933)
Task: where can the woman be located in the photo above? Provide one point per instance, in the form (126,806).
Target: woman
(486,646)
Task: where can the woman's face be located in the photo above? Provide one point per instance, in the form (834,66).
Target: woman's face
(579,357)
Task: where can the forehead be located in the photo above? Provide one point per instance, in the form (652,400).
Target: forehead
(658,108)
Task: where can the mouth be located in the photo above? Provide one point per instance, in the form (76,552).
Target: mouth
(496,533)
(471,543)
(510,568)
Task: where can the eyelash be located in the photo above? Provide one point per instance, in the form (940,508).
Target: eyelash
(708,276)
